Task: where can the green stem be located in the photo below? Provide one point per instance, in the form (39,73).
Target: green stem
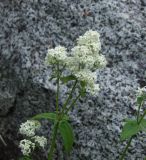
(72,104)
(57,95)
(142,117)
(69,97)
(126,149)
(54,136)
(138,112)
(55,129)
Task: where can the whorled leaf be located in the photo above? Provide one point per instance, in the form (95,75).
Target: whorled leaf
(49,116)
(139,100)
(131,128)
(66,79)
(67,135)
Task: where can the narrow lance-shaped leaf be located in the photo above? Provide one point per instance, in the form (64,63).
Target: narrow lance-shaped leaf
(131,128)
(67,135)
(139,100)
(67,78)
(49,116)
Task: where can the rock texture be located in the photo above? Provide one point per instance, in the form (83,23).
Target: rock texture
(29,27)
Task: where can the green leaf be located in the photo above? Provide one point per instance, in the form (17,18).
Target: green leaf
(143,125)
(139,100)
(50,116)
(83,89)
(131,128)
(67,78)
(67,135)
(25,158)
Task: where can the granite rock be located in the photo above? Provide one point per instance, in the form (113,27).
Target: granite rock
(28,28)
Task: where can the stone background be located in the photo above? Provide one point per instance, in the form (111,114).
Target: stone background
(28,28)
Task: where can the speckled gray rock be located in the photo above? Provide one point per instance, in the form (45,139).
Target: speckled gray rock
(143,2)
(29,27)
(6,100)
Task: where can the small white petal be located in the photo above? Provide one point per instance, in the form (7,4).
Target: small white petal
(42,141)
(29,127)
(58,54)
(26,147)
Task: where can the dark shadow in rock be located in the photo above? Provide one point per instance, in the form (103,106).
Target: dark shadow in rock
(9,152)
(30,100)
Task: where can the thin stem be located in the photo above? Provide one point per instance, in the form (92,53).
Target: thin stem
(142,117)
(138,112)
(69,97)
(54,136)
(72,104)
(57,95)
(126,149)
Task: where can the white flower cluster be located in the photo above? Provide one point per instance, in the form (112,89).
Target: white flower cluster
(58,54)
(86,53)
(142,92)
(83,60)
(26,146)
(82,56)
(41,141)
(90,39)
(28,129)
(90,79)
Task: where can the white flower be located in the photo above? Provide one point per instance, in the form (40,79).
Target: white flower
(42,141)
(86,76)
(89,62)
(80,51)
(58,54)
(91,40)
(96,47)
(90,79)
(72,64)
(141,92)
(26,147)
(93,89)
(29,127)
(100,61)
(90,37)
(83,56)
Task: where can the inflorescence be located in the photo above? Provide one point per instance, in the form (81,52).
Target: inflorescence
(28,129)
(82,61)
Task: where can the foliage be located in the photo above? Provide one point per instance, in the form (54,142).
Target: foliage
(133,127)
(78,68)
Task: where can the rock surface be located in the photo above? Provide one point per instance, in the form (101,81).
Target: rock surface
(29,27)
